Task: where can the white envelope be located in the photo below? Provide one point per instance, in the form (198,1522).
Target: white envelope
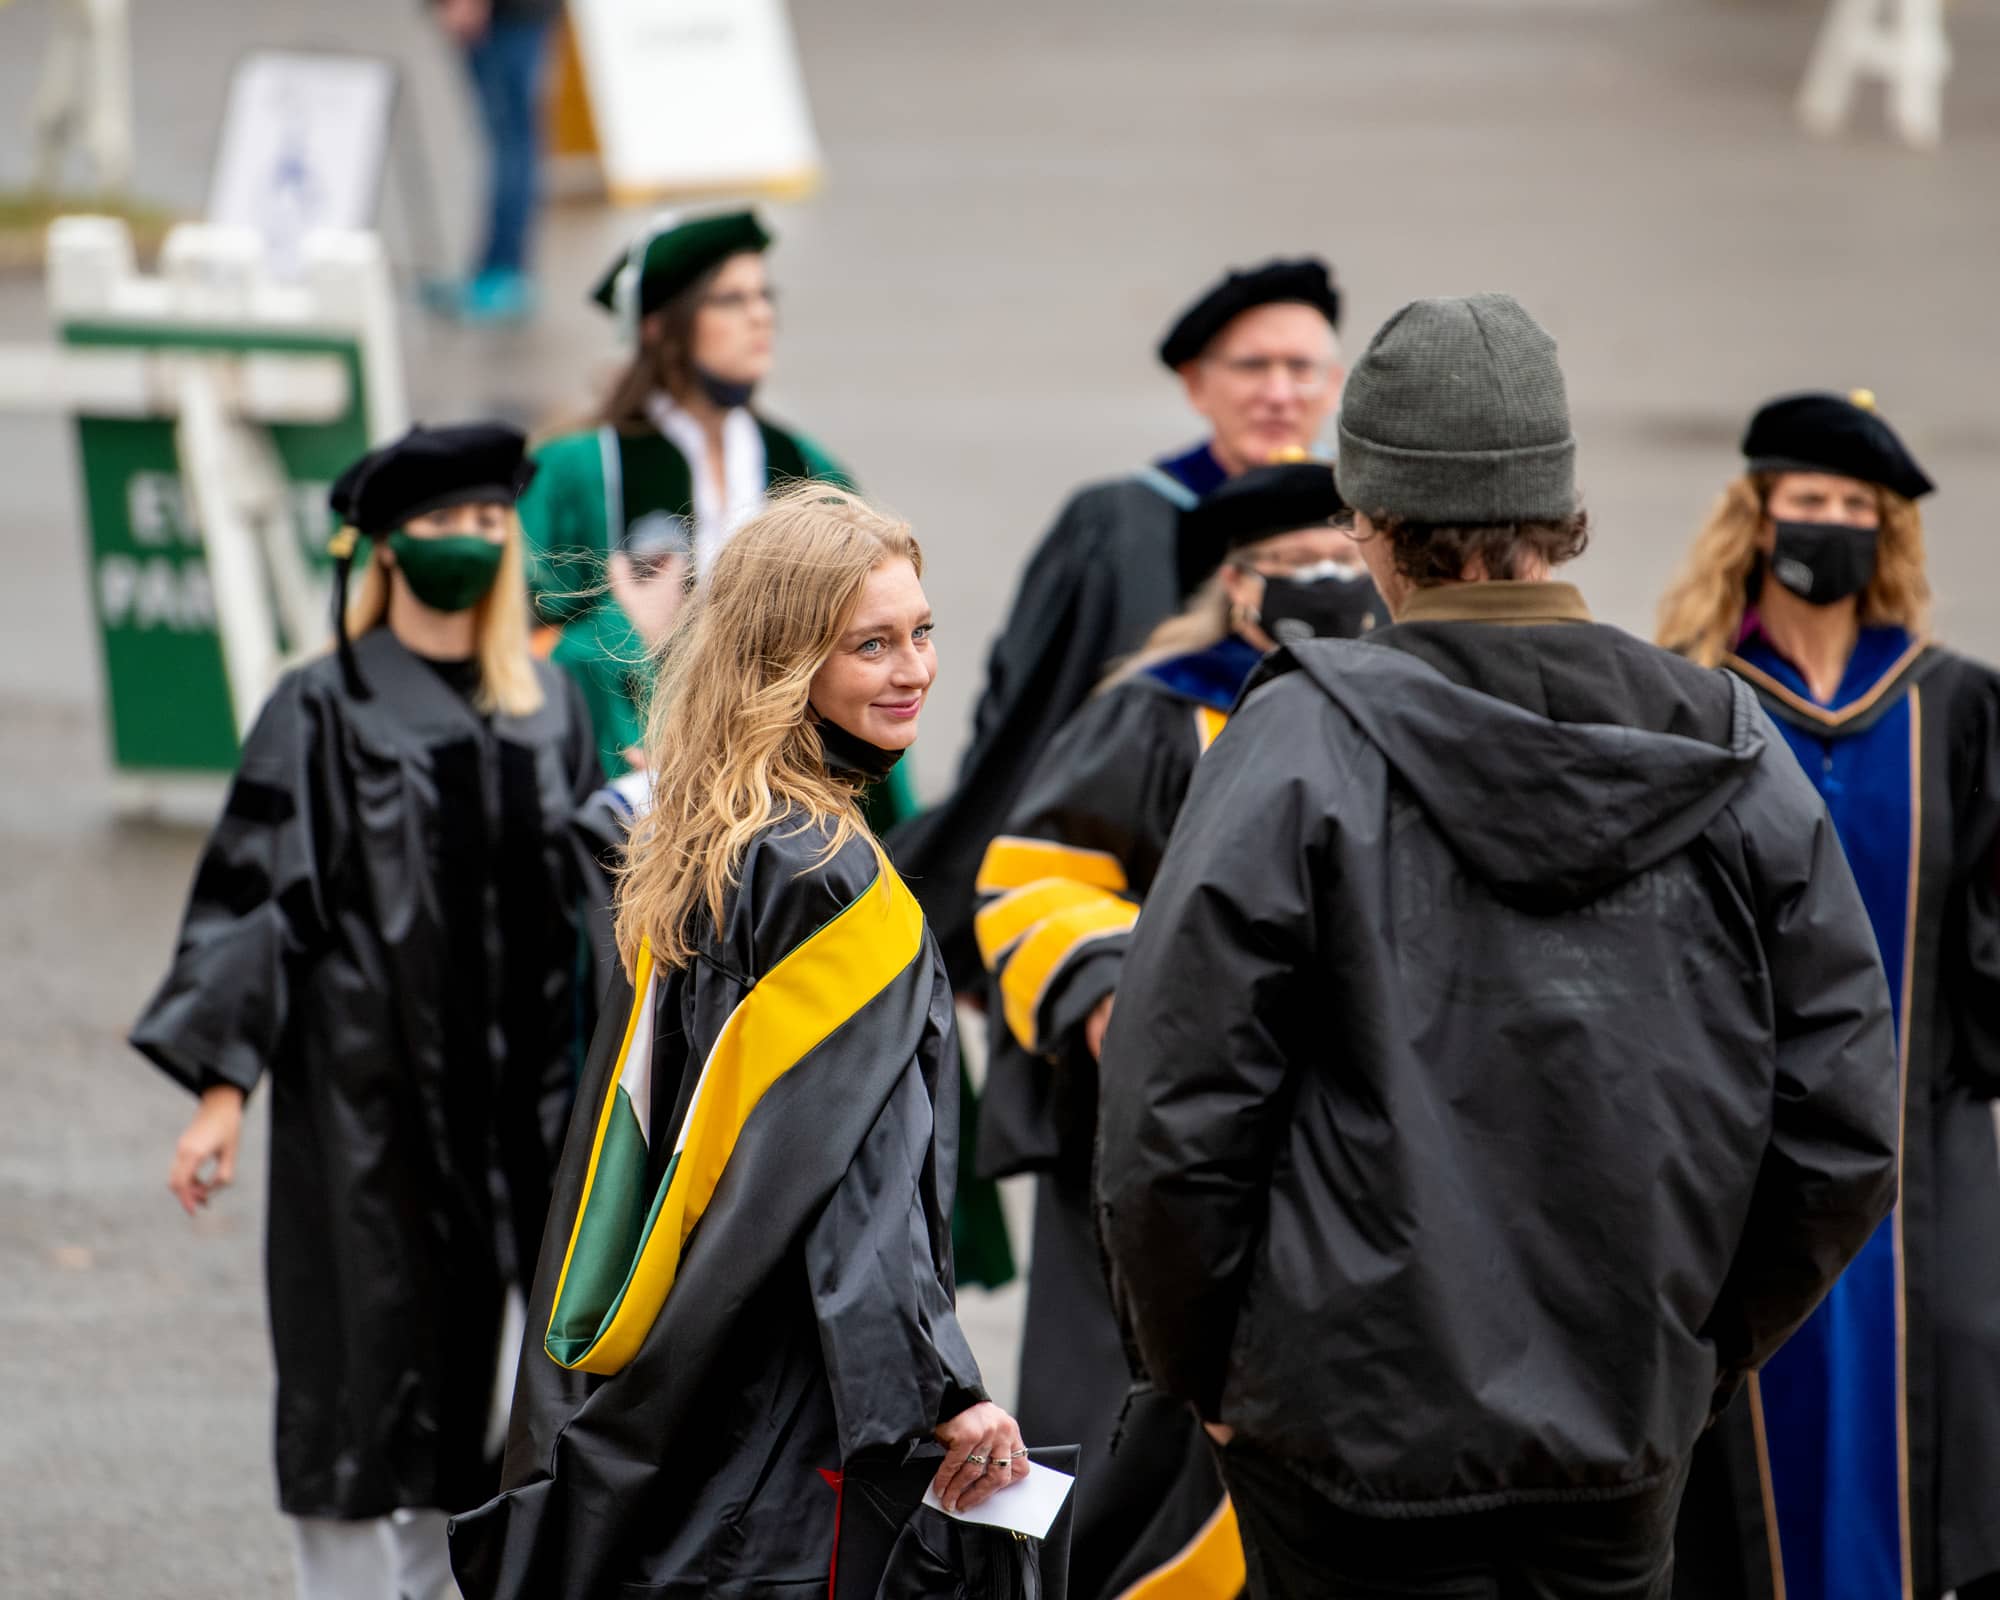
(1027,1505)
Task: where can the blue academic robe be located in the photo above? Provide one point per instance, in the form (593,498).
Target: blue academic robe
(1863,1463)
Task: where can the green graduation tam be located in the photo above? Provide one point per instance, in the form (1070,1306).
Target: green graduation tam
(673,251)
(1305,281)
(1841,434)
(1255,505)
(426,470)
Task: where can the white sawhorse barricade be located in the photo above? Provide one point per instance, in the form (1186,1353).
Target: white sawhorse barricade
(213,405)
(1903,43)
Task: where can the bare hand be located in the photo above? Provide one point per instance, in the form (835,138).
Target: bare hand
(1220,1432)
(211,1137)
(465,20)
(982,1455)
(1095,1024)
(651,600)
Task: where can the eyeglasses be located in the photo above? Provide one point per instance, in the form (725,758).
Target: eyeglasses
(1308,377)
(742,299)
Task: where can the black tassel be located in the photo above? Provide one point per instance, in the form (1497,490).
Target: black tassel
(342,547)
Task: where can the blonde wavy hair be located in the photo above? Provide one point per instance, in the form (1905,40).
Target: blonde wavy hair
(1204,621)
(1702,610)
(507,681)
(729,735)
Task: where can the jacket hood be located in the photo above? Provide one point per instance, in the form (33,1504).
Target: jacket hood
(1548,814)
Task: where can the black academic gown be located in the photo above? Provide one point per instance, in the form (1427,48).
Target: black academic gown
(1875,1434)
(1100,580)
(806,1333)
(383,924)
(1060,889)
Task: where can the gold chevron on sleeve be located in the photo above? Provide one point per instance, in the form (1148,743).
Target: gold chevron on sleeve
(1041,957)
(1012,862)
(1001,924)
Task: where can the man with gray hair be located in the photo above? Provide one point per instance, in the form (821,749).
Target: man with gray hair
(1503,1065)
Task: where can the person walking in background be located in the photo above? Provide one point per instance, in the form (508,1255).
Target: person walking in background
(674,461)
(1502,1067)
(505,44)
(1258,356)
(745,1297)
(1060,890)
(383,925)
(1865,1460)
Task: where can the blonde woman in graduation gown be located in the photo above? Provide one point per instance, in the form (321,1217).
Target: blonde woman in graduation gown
(745,1296)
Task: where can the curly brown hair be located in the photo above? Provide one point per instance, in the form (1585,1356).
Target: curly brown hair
(1433,553)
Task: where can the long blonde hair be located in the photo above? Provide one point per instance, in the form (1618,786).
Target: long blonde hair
(507,681)
(663,361)
(1702,609)
(729,738)
(1203,621)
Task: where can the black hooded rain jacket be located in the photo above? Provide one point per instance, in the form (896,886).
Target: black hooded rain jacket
(1502,1066)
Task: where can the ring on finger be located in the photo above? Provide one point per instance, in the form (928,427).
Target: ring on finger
(979,1461)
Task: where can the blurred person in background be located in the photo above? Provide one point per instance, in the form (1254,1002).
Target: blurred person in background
(1258,356)
(1865,1459)
(383,926)
(627,511)
(505,44)
(1060,889)
(746,1298)
(1502,1067)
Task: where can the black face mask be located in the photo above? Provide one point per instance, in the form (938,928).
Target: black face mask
(723,393)
(853,757)
(1327,602)
(1822,562)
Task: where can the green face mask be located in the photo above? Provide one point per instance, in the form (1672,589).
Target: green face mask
(448,573)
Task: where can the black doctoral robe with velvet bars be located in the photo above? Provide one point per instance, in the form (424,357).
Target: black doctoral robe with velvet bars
(1105,573)
(1060,890)
(384,924)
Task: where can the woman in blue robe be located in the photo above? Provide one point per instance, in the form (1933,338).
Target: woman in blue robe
(1863,1462)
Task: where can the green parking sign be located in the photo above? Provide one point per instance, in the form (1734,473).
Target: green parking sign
(168,702)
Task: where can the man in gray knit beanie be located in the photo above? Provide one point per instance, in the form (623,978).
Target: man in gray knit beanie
(1455,444)
(1457,415)
(1503,1066)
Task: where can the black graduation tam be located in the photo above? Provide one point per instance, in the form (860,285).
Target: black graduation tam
(428,469)
(1841,434)
(1305,281)
(670,255)
(1255,505)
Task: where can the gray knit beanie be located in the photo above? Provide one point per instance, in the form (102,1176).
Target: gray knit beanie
(1456,414)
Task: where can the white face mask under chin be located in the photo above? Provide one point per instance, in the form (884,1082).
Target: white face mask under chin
(1344,571)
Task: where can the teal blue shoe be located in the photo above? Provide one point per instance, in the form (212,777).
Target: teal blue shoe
(498,297)
(492,298)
